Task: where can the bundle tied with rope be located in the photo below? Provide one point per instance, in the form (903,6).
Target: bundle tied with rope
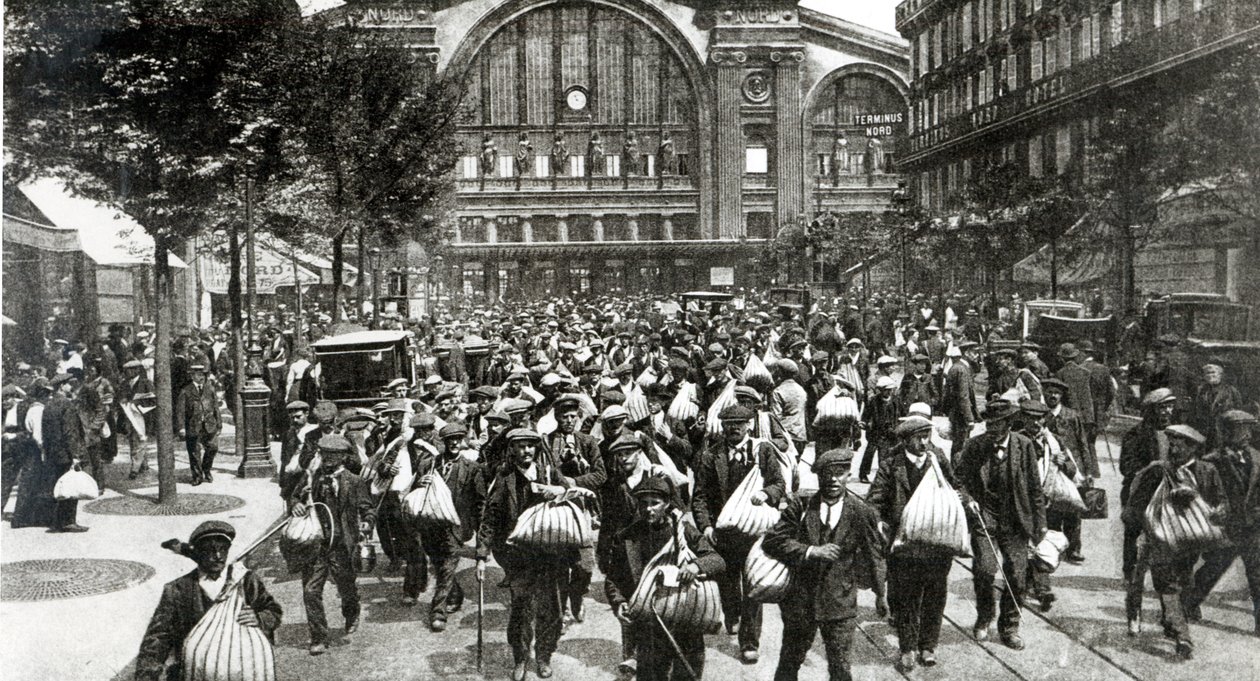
(303,535)
(767,577)
(696,607)
(933,521)
(431,503)
(741,515)
(1175,527)
(686,404)
(757,376)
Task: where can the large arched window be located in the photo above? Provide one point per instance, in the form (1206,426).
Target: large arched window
(582,77)
(846,116)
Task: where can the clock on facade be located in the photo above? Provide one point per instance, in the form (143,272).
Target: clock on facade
(575,97)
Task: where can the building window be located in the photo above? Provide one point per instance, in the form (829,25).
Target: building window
(542,166)
(756,158)
(580,279)
(1035,66)
(1052,54)
(469,164)
(684,163)
(1095,35)
(505,165)
(967,37)
(474,278)
(612,165)
(1117,23)
(577,166)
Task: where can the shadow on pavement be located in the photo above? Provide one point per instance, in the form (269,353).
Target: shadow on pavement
(597,653)
(496,664)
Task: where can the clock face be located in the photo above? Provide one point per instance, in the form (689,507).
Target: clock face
(576,99)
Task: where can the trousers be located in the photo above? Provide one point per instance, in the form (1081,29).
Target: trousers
(1217,563)
(534,585)
(736,607)
(917,589)
(1067,523)
(581,569)
(1171,576)
(798,638)
(657,660)
(202,448)
(336,563)
(1014,565)
(441,546)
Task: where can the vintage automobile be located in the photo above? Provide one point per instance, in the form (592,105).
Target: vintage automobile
(356,367)
(790,301)
(711,301)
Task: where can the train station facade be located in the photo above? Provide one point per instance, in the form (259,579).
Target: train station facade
(627,145)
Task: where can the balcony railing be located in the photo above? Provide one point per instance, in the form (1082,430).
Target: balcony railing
(569,183)
(1187,34)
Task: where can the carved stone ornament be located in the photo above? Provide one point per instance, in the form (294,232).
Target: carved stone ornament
(757,87)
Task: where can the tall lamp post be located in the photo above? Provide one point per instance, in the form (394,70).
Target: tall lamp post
(374,255)
(901,203)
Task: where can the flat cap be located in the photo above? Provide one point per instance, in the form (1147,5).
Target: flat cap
(787,366)
(999,409)
(483,392)
(1031,407)
(885,360)
(397,383)
(335,443)
(623,369)
(325,410)
(747,392)
(212,528)
(919,409)
(736,412)
(885,383)
(614,411)
(1054,383)
(456,429)
(549,379)
(911,425)
(498,417)
(842,456)
(566,401)
(423,420)
(1185,432)
(654,485)
(716,364)
(296,405)
(516,406)
(625,441)
(1158,396)
(522,435)
(1238,417)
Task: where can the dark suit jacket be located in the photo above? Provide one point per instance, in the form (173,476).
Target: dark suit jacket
(1100,388)
(714,482)
(63,432)
(1069,428)
(958,398)
(828,591)
(590,471)
(197,411)
(891,490)
(1243,493)
(181,607)
(468,491)
(921,389)
(1079,396)
(1139,447)
(1021,459)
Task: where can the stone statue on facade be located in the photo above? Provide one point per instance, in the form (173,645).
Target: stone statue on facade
(559,155)
(630,155)
(839,158)
(665,155)
(524,152)
(489,154)
(595,155)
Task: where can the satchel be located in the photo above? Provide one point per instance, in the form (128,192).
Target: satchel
(1095,500)
(76,485)
(1180,530)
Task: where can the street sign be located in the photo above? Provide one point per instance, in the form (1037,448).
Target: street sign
(721,276)
(271,268)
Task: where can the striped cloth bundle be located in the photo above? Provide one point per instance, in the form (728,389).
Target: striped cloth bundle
(1177,529)
(552,526)
(741,515)
(933,521)
(757,376)
(686,403)
(430,503)
(696,607)
(219,649)
(767,577)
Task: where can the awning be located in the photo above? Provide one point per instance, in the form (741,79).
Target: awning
(1082,258)
(104,233)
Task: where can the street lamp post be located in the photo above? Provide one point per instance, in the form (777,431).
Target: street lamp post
(375,255)
(900,202)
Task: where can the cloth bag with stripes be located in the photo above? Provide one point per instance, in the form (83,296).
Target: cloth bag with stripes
(553,526)
(217,648)
(1180,529)
(696,607)
(933,523)
(741,515)
(430,503)
(766,577)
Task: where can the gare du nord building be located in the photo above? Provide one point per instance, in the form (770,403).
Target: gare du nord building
(635,145)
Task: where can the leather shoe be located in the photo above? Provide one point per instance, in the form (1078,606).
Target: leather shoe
(352,625)
(408,601)
(197,481)
(1135,626)
(577,615)
(74,527)
(1013,641)
(980,632)
(906,663)
(1074,557)
(518,672)
(438,625)
(132,475)
(1185,649)
(732,628)
(749,656)
(208,476)
(318,648)
(453,607)
(927,658)
(1047,602)
(544,670)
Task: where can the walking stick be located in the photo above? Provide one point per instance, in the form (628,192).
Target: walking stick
(1019,612)
(677,650)
(1107,444)
(481,604)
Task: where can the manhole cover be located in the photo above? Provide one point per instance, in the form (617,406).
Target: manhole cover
(45,580)
(185,504)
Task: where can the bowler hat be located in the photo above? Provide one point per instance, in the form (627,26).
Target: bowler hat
(999,409)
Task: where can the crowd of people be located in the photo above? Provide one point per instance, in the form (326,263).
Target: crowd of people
(648,417)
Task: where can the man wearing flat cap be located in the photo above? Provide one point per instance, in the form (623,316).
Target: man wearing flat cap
(1080,395)
(185,600)
(917,384)
(197,421)
(832,544)
(343,504)
(578,459)
(1238,464)
(1143,444)
(137,403)
(654,521)
(1051,456)
(998,469)
(534,577)
(441,543)
(721,467)
(918,579)
(1212,397)
(958,393)
(291,445)
(1188,478)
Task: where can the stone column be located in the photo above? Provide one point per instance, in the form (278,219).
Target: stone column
(457,230)
(632,227)
(562,229)
(527,231)
(730,144)
(492,231)
(597,229)
(667,228)
(789,135)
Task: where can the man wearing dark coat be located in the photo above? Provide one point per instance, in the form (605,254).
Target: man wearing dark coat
(721,468)
(63,449)
(917,384)
(186,599)
(197,421)
(832,545)
(578,458)
(1101,387)
(1080,396)
(1007,511)
(657,521)
(918,579)
(958,396)
(351,515)
(1143,444)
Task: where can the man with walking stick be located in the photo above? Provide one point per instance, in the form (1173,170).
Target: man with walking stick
(1007,513)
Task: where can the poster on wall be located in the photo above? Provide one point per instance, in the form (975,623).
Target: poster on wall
(721,276)
(271,268)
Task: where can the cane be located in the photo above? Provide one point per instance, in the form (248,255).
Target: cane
(481,605)
(1019,613)
(1107,444)
(677,650)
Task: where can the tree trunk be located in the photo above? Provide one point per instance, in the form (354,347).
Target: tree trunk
(338,248)
(361,280)
(1128,271)
(237,323)
(162,281)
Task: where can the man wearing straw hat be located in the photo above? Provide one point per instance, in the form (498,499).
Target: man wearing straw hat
(186,599)
(917,582)
(831,543)
(1007,513)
